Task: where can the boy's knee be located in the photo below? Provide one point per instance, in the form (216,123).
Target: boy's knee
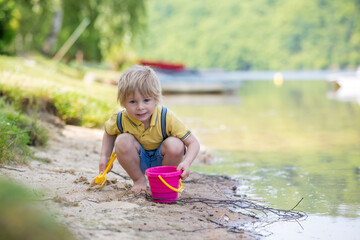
(173,146)
(125,142)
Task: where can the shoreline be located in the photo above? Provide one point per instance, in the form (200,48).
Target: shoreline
(64,169)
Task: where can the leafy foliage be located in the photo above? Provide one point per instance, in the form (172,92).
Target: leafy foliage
(17,132)
(234,35)
(8,23)
(13,141)
(112,23)
(125,21)
(260,34)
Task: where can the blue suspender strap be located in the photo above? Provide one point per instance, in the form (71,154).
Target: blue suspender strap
(163,122)
(118,121)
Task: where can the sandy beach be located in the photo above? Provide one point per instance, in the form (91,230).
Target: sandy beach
(64,169)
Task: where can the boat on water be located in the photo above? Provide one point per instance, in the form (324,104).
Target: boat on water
(198,82)
(175,78)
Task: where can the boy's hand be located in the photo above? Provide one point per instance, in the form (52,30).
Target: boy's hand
(106,150)
(185,166)
(102,165)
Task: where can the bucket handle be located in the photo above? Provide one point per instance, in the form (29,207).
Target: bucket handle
(179,190)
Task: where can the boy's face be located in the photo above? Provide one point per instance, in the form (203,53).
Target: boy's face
(140,107)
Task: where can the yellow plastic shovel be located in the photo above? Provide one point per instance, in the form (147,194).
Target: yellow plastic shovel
(101,178)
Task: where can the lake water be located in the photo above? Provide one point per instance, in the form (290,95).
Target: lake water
(285,143)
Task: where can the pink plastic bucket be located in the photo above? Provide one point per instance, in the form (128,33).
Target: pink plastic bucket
(159,191)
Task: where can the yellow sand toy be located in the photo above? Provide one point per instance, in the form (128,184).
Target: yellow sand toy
(101,178)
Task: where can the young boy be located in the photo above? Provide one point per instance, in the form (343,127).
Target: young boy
(146,134)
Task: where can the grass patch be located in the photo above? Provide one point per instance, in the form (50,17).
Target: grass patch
(56,88)
(18,131)
(36,85)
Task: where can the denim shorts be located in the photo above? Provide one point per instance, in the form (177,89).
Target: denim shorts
(151,158)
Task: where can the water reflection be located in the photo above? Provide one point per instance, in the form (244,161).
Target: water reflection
(289,141)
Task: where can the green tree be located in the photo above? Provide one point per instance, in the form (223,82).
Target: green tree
(114,26)
(8,23)
(259,34)
(44,25)
(56,23)
(35,17)
(120,28)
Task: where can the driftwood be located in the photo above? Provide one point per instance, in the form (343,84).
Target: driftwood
(264,215)
(239,205)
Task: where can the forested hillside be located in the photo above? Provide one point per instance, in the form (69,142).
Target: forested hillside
(46,25)
(258,34)
(230,34)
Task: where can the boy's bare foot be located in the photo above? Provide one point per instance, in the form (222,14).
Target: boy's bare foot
(139,186)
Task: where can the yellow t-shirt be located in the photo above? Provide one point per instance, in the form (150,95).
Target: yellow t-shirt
(152,137)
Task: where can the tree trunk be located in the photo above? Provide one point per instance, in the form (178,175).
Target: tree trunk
(50,42)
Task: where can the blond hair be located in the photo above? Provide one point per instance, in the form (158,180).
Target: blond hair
(141,78)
